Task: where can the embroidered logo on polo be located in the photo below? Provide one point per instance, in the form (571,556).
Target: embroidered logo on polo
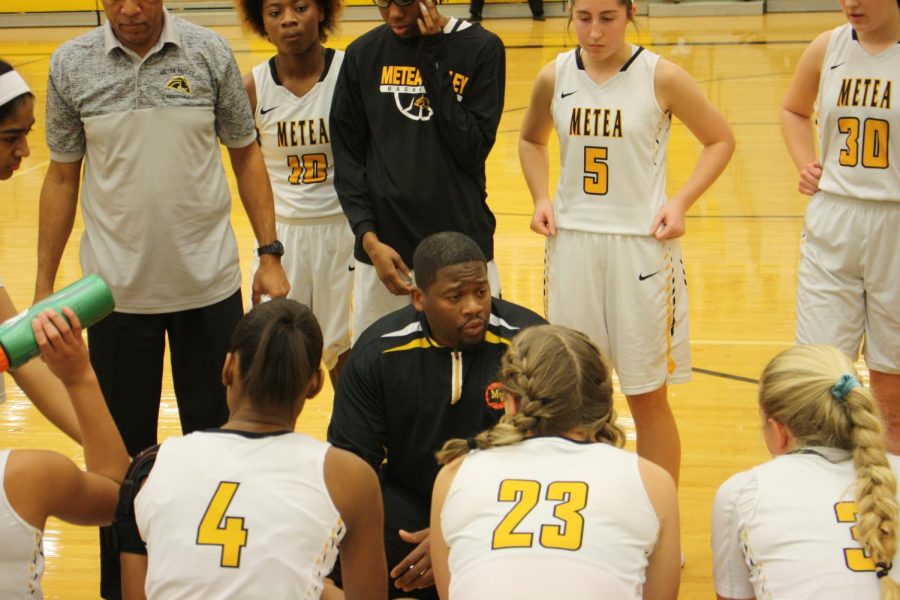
(179,83)
(493,395)
(405,83)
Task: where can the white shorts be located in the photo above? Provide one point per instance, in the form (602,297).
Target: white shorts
(848,282)
(628,294)
(371,300)
(318,262)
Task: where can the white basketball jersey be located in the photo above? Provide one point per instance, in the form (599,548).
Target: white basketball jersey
(612,139)
(21,550)
(2,381)
(859,125)
(786,529)
(515,514)
(296,141)
(227,515)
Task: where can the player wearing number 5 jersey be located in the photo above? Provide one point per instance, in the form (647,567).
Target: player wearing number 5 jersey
(547,490)
(613,263)
(820,519)
(254,510)
(848,289)
(290,95)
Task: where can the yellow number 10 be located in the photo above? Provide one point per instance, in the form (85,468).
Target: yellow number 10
(231,535)
(309,168)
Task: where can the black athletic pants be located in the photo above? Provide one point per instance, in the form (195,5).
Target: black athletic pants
(127,353)
(401,511)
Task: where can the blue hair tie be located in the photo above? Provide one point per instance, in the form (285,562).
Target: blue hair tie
(846,383)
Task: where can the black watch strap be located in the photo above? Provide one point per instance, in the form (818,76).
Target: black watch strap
(276,248)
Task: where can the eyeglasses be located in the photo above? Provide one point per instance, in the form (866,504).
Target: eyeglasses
(386,3)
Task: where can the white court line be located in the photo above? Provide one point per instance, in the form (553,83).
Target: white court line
(31,168)
(742,342)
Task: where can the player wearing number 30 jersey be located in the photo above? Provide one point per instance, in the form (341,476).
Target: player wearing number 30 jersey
(613,263)
(547,505)
(820,519)
(847,285)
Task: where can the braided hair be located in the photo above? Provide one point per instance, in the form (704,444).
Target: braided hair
(562,382)
(814,392)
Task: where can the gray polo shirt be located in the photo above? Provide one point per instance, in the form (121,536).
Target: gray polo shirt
(154,196)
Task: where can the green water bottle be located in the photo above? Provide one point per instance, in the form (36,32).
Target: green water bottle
(89,298)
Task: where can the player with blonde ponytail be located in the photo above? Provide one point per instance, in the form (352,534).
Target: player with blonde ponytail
(820,519)
(535,494)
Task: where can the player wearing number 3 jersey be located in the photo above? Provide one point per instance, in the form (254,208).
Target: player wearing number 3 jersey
(254,510)
(548,491)
(820,519)
(613,263)
(848,289)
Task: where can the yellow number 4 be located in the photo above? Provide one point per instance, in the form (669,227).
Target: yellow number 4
(855,558)
(231,535)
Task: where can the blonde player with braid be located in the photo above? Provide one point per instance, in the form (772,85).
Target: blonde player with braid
(820,519)
(548,490)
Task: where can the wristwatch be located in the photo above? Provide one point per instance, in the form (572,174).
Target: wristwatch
(276,248)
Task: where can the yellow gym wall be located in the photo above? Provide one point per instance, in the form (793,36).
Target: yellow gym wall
(35,6)
(39,6)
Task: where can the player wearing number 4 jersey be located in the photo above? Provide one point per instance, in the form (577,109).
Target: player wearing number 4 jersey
(848,289)
(254,510)
(290,95)
(613,264)
(820,519)
(539,496)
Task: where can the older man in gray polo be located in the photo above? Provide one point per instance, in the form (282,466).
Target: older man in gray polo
(143,102)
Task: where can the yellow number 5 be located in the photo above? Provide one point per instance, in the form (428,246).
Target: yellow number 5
(855,558)
(231,536)
(596,171)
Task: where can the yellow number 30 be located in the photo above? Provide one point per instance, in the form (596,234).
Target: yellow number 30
(218,530)
(855,558)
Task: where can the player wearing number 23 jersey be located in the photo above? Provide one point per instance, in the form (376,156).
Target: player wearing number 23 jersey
(548,505)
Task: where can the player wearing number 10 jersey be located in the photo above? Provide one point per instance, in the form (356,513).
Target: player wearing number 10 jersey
(613,262)
(547,506)
(291,97)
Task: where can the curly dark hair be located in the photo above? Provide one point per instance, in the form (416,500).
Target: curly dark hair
(251,12)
